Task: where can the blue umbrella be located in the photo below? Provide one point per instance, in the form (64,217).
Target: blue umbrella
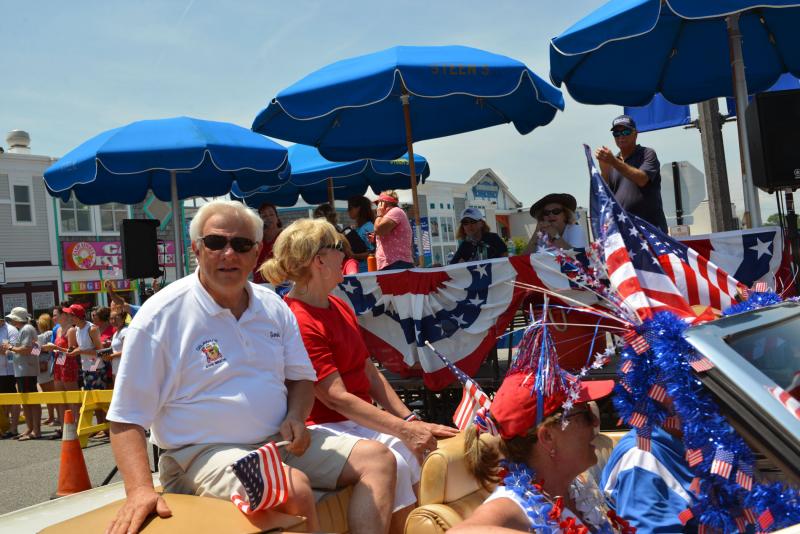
(175,158)
(629,50)
(319,180)
(375,106)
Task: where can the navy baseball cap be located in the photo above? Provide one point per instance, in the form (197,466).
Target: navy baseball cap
(626,121)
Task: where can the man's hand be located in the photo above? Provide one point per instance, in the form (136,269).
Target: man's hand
(418,438)
(139,504)
(606,159)
(296,432)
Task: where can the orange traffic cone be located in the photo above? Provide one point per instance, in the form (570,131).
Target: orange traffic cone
(72,474)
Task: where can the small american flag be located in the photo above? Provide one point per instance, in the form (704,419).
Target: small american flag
(264,480)
(657,393)
(695,486)
(760,287)
(672,423)
(765,520)
(627,365)
(788,402)
(722,464)
(701,364)
(741,524)
(694,456)
(749,515)
(744,476)
(637,420)
(472,396)
(685,516)
(638,343)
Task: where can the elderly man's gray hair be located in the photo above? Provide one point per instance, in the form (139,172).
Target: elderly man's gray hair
(230,208)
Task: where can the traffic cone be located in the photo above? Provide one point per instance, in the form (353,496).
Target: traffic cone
(72,474)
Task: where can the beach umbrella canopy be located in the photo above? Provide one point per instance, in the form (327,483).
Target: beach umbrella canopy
(375,106)
(352,109)
(205,157)
(627,51)
(314,178)
(176,158)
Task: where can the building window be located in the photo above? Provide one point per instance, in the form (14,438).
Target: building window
(448,206)
(111,216)
(433,205)
(441,205)
(22,212)
(75,217)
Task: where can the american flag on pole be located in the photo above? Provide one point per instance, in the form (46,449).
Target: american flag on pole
(472,396)
(649,270)
(264,480)
(694,456)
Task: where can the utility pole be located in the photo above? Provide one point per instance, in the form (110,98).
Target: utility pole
(719,197)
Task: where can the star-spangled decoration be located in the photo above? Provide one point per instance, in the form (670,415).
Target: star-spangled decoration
(460,319)
(347,286)
(761,248)
(481,269)
(476,301)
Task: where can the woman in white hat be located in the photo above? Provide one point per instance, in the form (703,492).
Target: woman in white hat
(26,369)
(477,242)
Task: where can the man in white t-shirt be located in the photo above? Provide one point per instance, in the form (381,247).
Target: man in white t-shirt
(8,333)
(215,366)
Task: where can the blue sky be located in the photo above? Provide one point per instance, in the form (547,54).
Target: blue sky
(70,70)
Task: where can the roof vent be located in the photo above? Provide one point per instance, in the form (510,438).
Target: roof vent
(19,142)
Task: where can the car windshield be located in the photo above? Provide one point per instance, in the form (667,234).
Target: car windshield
(775,351)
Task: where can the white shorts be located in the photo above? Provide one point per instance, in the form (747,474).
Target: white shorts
(408,468)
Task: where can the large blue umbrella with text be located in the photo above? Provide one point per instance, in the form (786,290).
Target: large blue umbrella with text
(375,106)
(627,51)
(175,158)
(318,180)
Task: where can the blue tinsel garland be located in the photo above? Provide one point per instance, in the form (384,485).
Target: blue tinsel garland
(720,500)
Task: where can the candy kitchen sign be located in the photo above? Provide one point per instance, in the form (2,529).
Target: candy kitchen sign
(105,255)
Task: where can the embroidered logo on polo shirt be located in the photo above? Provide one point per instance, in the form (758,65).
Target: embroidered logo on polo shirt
(211,352)
(273,335)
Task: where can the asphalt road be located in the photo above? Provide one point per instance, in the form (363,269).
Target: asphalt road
(29,470)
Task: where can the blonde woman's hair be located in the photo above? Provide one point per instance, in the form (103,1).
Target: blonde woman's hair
(483,456)
(230,208)
(44,322)
(295,248)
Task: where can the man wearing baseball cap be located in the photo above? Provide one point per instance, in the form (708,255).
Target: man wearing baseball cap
(633,174)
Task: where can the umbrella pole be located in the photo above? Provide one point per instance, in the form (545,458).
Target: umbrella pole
(751,203)
(330,193)
(176,224)
(413,172)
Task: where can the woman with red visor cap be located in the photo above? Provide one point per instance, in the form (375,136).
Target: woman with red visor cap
(545,444)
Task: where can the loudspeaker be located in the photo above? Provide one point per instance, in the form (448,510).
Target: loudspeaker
(773,135)
(140,248)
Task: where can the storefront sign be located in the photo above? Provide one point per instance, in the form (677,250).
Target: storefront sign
(43,300)
(94,286)
(105,255)
(487,189)
(14,300)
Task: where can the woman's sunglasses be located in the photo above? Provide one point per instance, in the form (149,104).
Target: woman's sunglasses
(554,211)
(622,133)
(219,242)
(336,246)
(588,416)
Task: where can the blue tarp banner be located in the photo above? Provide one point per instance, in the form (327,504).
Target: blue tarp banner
(659,114)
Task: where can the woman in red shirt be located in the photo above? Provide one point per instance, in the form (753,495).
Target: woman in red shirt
(310,253)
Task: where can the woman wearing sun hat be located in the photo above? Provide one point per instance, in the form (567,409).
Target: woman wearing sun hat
(477,242)
(546,443)
(555,224)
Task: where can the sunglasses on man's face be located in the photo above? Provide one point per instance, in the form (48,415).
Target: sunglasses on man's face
(554,211)
(219,242)
(622,133)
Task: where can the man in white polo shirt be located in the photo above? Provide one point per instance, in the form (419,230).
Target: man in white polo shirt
(215,366)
